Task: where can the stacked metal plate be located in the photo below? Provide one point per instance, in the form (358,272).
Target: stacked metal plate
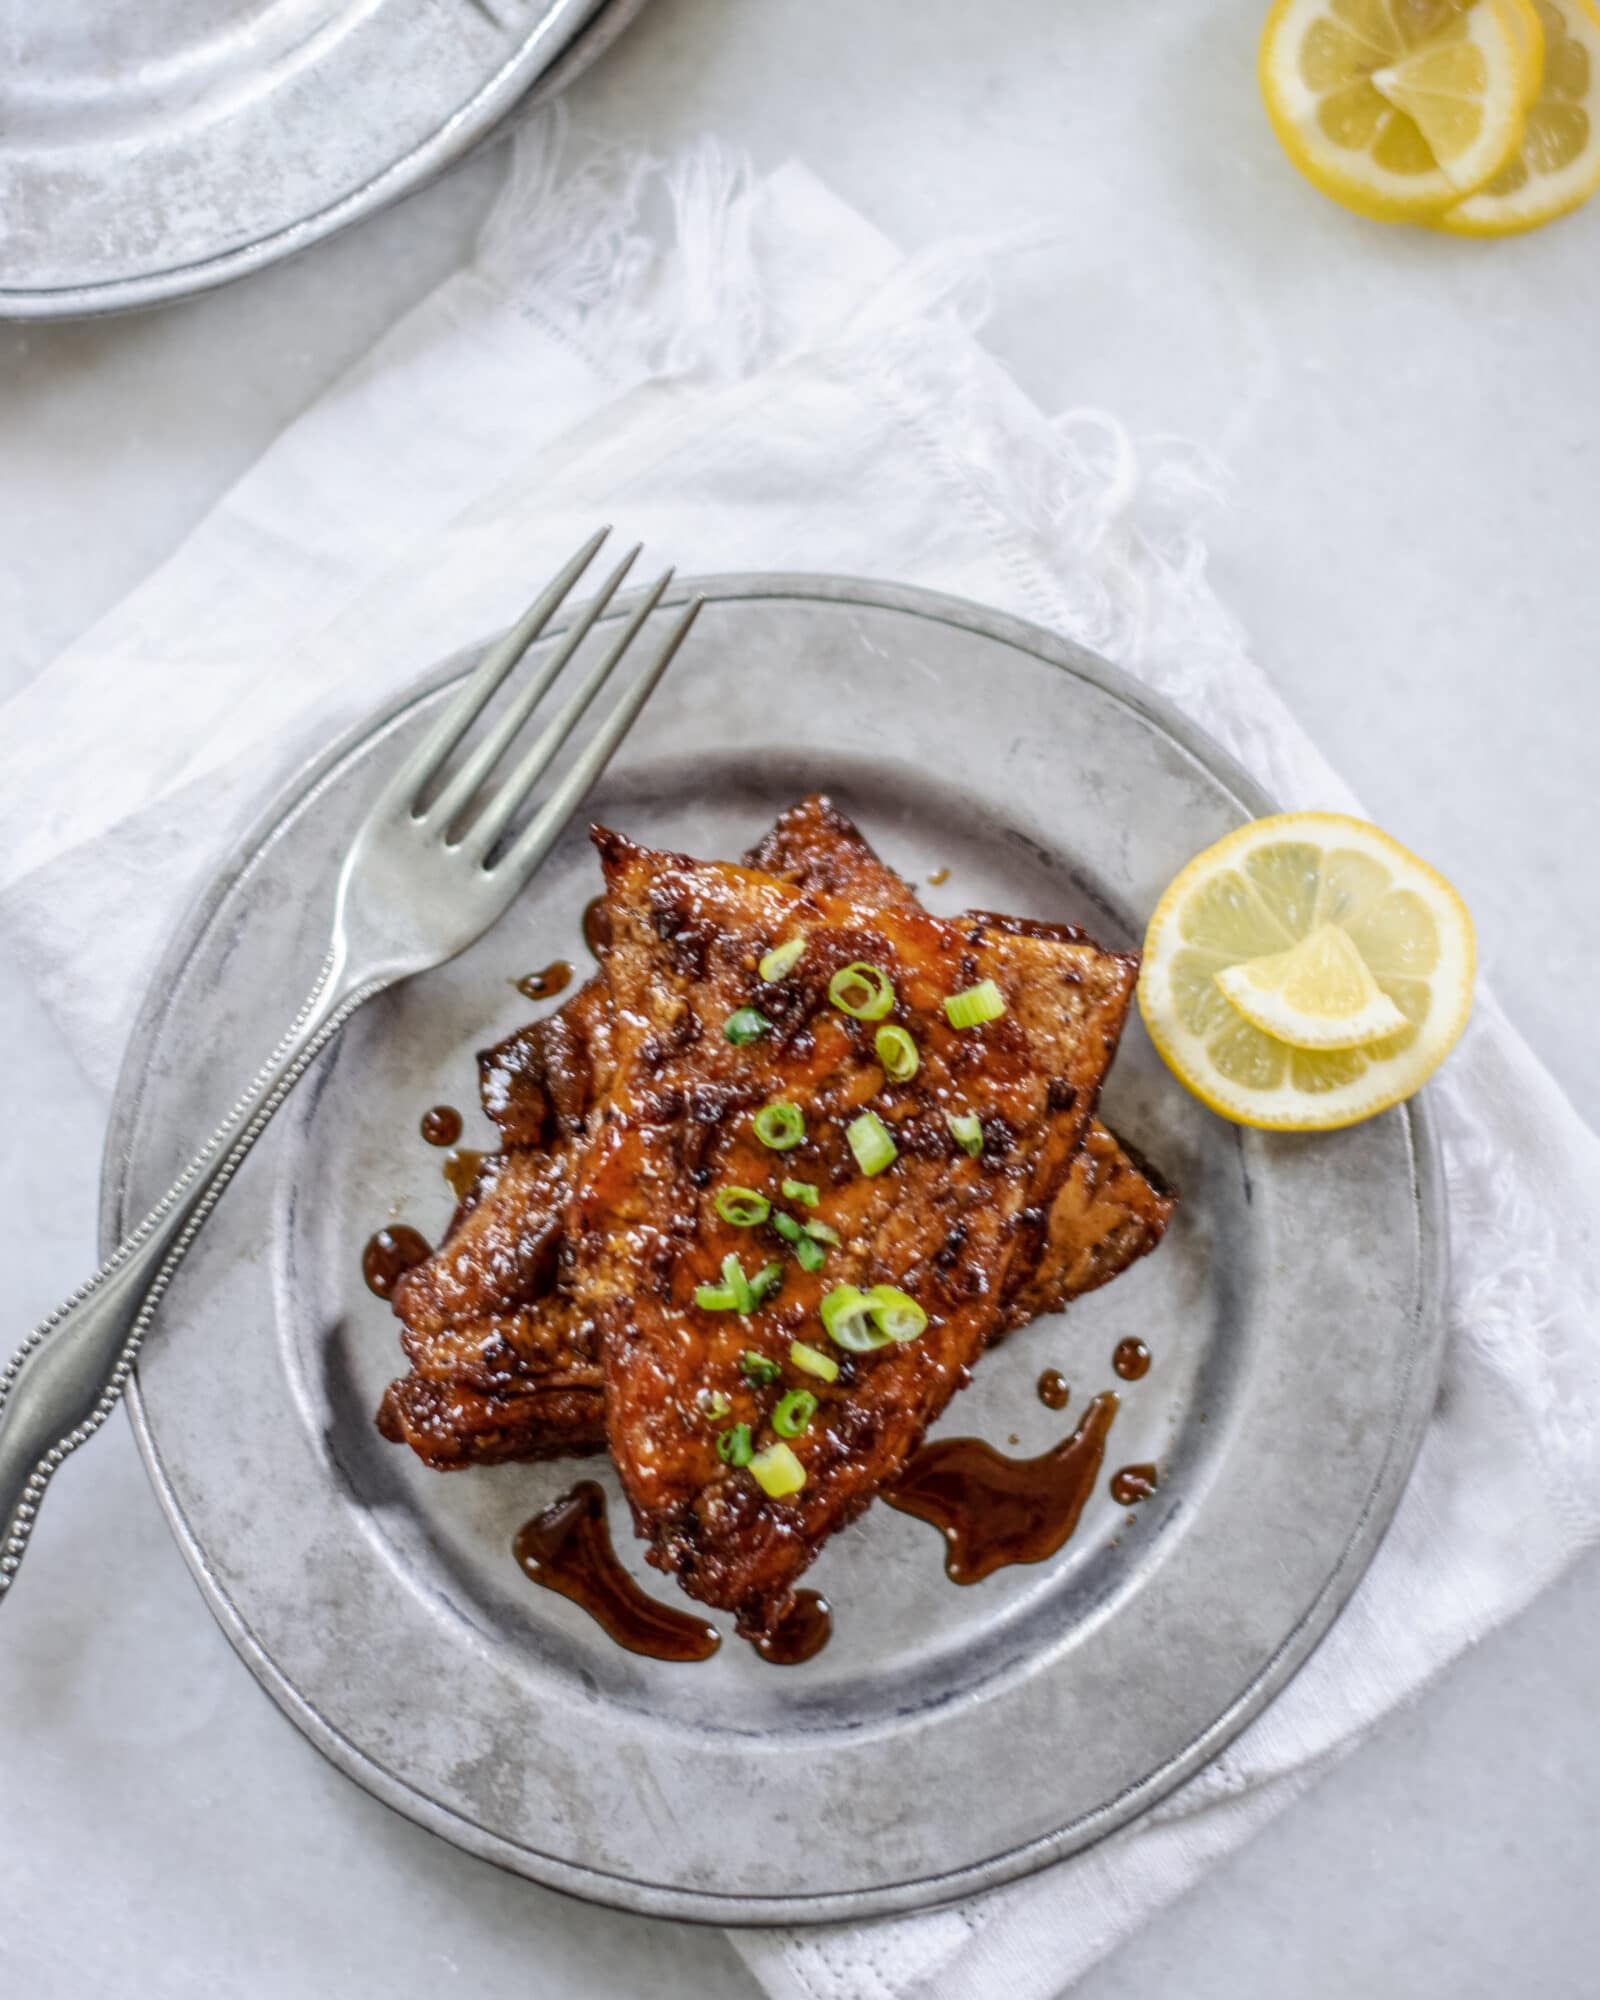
(153,150)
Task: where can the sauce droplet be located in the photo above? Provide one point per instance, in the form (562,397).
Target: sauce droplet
(442,1125)
(461,1170)
(1131,1360)
(540,985)
(993,1510)
(389,1255)
(1133,1484)
(938,877)
(802,1632)
(597,926)
(568,1549)
(1054,1389)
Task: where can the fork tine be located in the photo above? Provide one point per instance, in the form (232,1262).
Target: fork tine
(535,842)
(508,798)
(463,787)
(481,684)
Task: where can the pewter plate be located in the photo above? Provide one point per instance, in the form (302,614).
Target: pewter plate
(948,1739)
(154,150)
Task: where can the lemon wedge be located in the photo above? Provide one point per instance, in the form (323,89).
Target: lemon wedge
(1238,955)
(1558,164)
(1396,108)
(1319,994)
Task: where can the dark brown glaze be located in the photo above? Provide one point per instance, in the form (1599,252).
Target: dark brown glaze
(993,1510)
(389,1255)
(938,878)
(1133,1484)
(555,978)
(596,925)
(442,1125)
(568,1549)
(1131,1360)
(800,1634)
(461,1170)
(1054,1389)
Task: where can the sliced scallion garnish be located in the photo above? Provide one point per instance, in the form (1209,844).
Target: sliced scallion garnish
(714,1298)
(737,1285)
(801,1191)
(966,1128)
(734,1446)
(742,1207)
(823,1233)
(714,1405)
(812,1361)
(782,960)
(757,1368)
(898,1054)
(870,1142)
(808,1253)
(847,1315)
(777,1471)
(765,1282)
(794,1412)
(779,1126)
(862,991)
(980,1003)
(746,1024)
(895,1313)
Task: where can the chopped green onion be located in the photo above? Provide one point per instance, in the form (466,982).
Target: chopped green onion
(823,1233)
(980,1003)
(812,1361)
(733,1277)
(862,991)
(808,1254)
(780,1126)
(757,1368)
(966,1128)
(781,960)
(898,1054)
(746,1025)
(765,1281)
(714,1404)
(794,1412)
(870,1142)
(895,1313)
(777,1471)
(742,1206)
(801,1191)
(714,1298)
(847,1315)
(734,1446)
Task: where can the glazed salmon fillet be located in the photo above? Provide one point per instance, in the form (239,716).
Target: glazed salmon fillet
(945,1229)
(503,1360)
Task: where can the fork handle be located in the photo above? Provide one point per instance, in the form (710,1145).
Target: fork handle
(68,1375)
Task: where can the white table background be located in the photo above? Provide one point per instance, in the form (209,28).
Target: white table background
(1413,542)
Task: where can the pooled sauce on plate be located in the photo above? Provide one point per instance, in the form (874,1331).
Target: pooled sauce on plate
(568,1549)
(596,925)
(1133,1484)
(802,1632)
(1131,1360)
(540,985)
(389,1255)
(993,1510)
(442,1125)
(461,1169)
(1054,1389)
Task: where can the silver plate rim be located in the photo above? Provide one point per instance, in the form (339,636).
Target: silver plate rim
(550,57)
(1419,1382)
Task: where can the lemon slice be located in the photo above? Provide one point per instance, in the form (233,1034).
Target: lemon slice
(1397,107)
(1558,166)
(1319,994)
(1270,887)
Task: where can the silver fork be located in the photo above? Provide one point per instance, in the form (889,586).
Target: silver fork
(427,874)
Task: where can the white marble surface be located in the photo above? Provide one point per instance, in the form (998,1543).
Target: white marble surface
(1415,437)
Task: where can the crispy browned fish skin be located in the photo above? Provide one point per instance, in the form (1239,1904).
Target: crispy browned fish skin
(540,1085)
(949,1229)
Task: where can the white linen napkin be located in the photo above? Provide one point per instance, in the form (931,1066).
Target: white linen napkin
(746,375)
